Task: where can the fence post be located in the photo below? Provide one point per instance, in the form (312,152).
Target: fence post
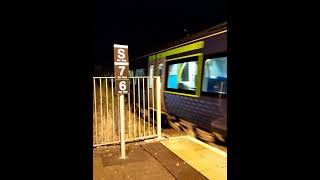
(122,128)
(158,108)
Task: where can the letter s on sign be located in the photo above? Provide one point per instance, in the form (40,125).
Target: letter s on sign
(121,54)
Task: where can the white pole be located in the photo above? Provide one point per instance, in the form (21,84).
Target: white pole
(158,108)
(122,128)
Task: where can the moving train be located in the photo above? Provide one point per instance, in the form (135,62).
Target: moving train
(193,73)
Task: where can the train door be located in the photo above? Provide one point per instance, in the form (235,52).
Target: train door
(158,70)
(151,85)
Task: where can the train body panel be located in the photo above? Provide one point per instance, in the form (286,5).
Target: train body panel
(194,79)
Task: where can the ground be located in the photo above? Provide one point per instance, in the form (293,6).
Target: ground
(143,161)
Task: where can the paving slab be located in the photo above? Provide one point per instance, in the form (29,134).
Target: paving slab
(143,161)
(175,165)
(208,160)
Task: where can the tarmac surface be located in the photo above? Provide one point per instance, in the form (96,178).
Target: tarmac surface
(182,157)
(143,161)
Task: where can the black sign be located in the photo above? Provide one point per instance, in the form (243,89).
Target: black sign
(121,68)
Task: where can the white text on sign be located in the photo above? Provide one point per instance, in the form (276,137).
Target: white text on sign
(121,68)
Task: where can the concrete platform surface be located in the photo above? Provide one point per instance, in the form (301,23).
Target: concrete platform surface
(208,160)
(143,161)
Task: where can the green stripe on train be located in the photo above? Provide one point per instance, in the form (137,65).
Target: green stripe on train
(190,47)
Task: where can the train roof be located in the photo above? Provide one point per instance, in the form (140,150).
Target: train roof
(189,39)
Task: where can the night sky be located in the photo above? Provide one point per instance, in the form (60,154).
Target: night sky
(147,25)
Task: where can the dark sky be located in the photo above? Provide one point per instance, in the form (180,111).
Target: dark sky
(146,25)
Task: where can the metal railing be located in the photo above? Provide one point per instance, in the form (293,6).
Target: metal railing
(142,110)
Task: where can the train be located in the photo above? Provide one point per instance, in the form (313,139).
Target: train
(193,73)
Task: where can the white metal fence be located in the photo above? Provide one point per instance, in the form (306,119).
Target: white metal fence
(142,110)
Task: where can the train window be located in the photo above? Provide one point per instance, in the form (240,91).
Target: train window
(182,76)
(140,72)
(131,73)
(150,76)
(160,67)
(215,75)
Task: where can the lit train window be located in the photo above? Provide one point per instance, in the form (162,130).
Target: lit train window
(160,67)
(182,75)
(140,72)
(215,75)
(131,73)
(150,76)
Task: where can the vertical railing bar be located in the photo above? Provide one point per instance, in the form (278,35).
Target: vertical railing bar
(119,124)
(153,105)
(129,110)
(95,109)
(134,109)
(112,109)
(158,109)
(139,105)
(148,84)
(107,131)
(144,109)
(101,120)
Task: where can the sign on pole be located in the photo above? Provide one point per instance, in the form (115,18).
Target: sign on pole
(121,68)
(121,72)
